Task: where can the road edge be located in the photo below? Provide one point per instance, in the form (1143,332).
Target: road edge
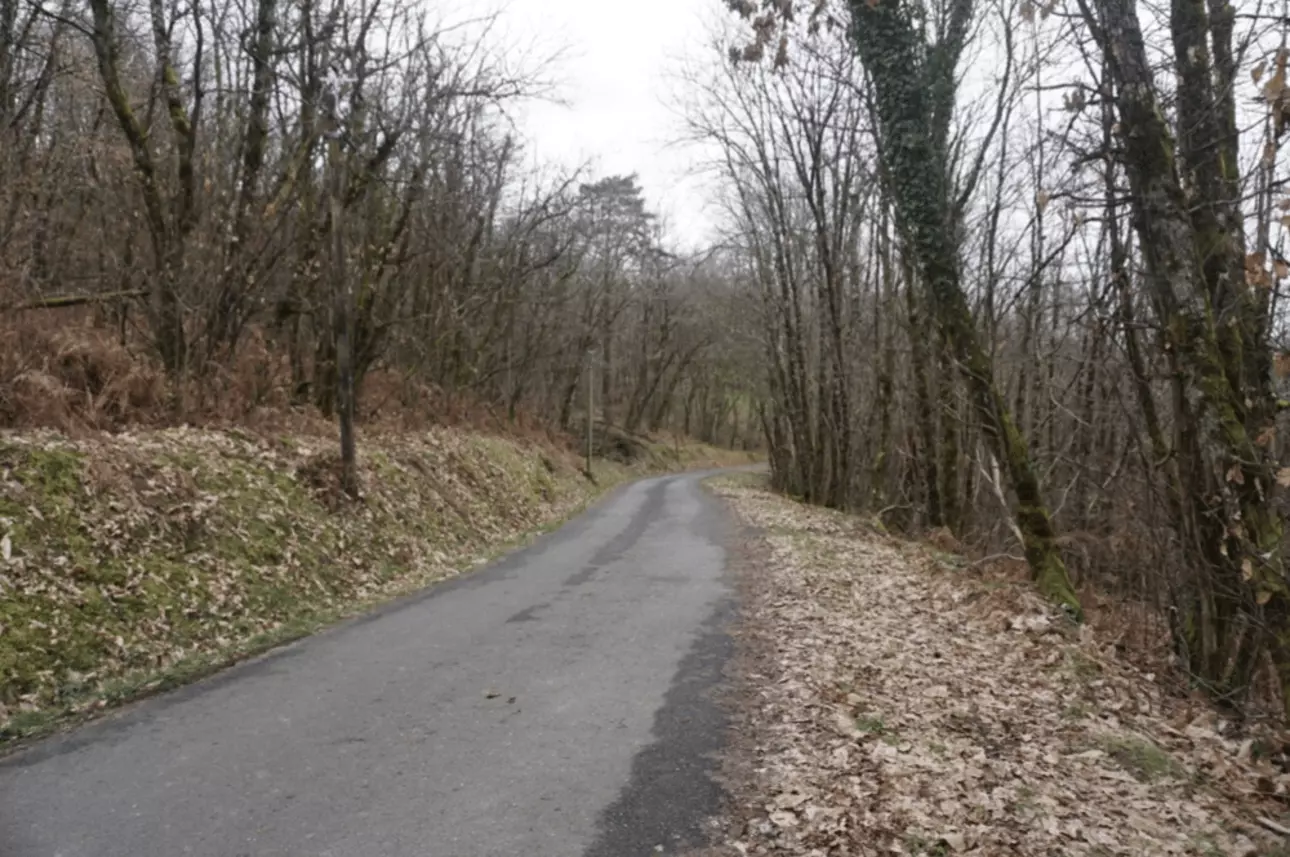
(676,796)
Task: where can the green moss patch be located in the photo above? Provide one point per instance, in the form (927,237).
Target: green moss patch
(1141,758)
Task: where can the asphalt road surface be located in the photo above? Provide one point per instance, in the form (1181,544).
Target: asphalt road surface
(555,703)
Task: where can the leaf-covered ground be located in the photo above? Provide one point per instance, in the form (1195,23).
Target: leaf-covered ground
(136,561)
(894,704)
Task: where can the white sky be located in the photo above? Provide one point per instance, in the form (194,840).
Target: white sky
(618,67)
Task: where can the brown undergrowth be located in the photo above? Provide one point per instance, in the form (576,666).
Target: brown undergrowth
(69,371)
(899,703)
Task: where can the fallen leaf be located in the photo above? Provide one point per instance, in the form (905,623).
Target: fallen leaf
(783,818)
(790,800)
(846,724)
(955,841)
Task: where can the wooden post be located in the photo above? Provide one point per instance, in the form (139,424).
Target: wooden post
(591,404)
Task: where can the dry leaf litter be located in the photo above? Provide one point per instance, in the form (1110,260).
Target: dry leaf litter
(899,707)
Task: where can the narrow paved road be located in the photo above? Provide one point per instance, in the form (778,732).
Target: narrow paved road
(552,704)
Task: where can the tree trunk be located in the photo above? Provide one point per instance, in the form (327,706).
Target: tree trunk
(926,411)
(951,508)
(344,309)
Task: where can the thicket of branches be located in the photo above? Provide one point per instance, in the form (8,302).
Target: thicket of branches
(1021,270)
(223,205)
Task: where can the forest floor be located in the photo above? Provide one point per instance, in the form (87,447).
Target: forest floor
(137,561)
(889,701)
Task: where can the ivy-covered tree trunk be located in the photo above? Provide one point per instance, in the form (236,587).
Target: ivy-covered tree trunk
(951,507)
(885,343)
(914,93)
(923,395)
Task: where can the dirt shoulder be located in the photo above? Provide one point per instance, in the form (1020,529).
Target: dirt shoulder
(889,704)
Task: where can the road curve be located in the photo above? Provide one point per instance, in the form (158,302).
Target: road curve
(554,703)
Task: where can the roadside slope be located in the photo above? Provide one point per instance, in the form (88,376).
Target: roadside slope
(137,561)
(896,705)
